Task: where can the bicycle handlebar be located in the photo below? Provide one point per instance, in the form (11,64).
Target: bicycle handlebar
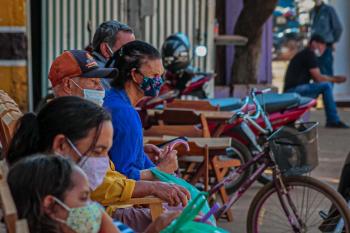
(239,111)
(247,117)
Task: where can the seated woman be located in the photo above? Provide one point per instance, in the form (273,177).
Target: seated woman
(140,70)
(82,130)
(53,195)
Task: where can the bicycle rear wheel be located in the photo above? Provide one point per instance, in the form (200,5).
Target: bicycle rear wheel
(318,207)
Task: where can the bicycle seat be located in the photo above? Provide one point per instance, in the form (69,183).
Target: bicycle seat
(305,100)
(227,104)
(274,102)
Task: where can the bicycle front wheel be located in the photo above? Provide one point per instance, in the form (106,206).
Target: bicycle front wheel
(314,207)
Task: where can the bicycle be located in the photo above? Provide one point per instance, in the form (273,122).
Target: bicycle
(286,204)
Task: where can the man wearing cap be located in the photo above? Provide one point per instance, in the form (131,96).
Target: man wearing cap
(303,68)
(108,38)
(76,73)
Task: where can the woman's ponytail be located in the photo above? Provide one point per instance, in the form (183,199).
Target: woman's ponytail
(26,139)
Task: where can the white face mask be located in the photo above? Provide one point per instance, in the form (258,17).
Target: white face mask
(94,167)
(317,53)
(110,50)
(95,96)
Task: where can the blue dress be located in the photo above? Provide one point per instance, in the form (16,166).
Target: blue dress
(127,151)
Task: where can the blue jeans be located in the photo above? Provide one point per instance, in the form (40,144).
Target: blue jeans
(313,90)
(325,62)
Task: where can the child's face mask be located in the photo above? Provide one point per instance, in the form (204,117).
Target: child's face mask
(86,219)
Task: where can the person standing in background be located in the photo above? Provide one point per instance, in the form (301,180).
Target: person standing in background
(108,38)
(325,22)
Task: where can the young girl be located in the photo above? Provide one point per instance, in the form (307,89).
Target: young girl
(53,195)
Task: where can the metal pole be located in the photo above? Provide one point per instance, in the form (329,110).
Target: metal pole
(29,57)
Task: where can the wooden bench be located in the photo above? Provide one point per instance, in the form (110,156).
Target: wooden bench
(202,105)
(154,204)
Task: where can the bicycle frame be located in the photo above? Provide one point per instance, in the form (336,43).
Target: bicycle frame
(263,159)
(246,184)
(282,192)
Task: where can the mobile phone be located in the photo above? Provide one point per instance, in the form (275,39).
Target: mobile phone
(172,140)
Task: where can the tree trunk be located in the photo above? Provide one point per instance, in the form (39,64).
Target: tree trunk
(249,24)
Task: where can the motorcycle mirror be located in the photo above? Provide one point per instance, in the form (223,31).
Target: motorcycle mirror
(201,51)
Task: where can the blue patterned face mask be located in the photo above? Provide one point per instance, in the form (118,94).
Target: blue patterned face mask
(151,86)
(86,219)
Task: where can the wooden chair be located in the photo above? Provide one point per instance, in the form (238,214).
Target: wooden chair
(197,160)
(183,118)
(9,115)
(203,105)
(13,225)
(183,122)
(153,203)
(22,226)
(218,166)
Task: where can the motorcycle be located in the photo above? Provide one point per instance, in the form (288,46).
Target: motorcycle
(188,83)
(180,75)
(282,110)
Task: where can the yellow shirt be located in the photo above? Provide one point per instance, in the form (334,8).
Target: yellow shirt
(115,187)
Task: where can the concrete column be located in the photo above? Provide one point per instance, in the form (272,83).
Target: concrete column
(342,53)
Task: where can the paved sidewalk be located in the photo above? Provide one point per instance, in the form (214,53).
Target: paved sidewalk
(334,145)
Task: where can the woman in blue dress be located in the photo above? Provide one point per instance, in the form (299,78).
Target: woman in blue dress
(140,74)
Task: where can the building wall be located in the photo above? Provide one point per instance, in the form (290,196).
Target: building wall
(64,24)
(13,50)
(342,53)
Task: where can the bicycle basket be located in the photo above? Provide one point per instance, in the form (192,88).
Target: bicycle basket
(295,149)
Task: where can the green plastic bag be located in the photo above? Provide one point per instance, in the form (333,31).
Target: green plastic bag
(185,224)
(165,177)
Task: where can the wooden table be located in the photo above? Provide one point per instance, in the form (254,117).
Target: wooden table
(212,143)
(219,116)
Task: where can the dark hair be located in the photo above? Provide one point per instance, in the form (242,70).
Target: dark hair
(107,32)
(317,38)
(131,55)
(71,116)
(32,179)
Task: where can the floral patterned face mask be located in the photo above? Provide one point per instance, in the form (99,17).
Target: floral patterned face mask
(86,219)
(151,86)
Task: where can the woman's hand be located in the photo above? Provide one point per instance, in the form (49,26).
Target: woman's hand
(171,193)
(153,152)
(162,221)
(168,162)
